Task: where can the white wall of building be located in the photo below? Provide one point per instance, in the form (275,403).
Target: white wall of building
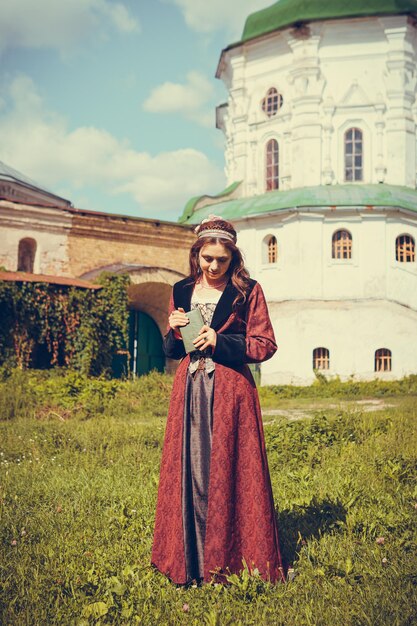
(345,73)
(351,307)
(305,269)
(48,227)
(352,331)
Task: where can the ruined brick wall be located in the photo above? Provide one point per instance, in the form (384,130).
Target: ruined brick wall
(100,240)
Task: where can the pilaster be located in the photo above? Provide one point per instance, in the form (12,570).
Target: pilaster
(308,84)
(400,84)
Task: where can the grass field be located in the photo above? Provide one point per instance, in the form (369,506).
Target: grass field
(79,462)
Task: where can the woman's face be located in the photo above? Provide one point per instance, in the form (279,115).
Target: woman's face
(214,259)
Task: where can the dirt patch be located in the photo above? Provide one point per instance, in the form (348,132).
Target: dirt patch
(366,406)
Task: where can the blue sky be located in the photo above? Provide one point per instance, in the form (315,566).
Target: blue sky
(111,104)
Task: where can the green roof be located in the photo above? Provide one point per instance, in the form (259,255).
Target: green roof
(328,196)
(189,207)
(287,12)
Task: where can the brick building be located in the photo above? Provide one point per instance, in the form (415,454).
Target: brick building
(44,235)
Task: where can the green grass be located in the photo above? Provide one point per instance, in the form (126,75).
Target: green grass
(334,388)
(79,463)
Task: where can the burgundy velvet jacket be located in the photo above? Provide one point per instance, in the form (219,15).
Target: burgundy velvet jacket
(241,521)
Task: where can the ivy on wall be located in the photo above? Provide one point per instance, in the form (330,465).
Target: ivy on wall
(74,327)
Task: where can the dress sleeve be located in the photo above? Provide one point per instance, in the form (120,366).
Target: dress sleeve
(172,344)
(254,346)
(260,338)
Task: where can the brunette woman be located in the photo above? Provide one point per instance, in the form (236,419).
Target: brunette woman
(215,511)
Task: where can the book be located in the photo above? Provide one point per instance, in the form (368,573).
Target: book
(191,331)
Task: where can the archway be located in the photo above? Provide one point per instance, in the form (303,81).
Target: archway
(148,298)
(148,302)
(144,351)
(145,344)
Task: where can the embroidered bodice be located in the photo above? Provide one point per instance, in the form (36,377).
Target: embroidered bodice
(207,306)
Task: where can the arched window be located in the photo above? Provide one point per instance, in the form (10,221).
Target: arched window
(272,250)
(272,102)
(405,249)
(269,249)
(26,255)
(321,359)
(272,165)
(383,360)
(342,245)
(353,155)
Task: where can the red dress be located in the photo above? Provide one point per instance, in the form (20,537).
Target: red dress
(240,523)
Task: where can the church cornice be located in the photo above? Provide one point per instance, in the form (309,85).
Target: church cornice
(329,198)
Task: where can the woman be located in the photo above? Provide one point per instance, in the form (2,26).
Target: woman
(215,508)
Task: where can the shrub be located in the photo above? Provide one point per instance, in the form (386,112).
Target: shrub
(63,394)
(57,325)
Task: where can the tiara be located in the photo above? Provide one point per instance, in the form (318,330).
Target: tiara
(216,232)
(213,232)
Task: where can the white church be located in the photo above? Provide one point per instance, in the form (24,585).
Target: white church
(321,159)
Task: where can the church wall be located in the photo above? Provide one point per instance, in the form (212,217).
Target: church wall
(372,250)
(351,307)
(401,277)
(305,268)
(351,331)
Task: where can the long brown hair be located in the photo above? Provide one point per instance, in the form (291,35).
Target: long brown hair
(237,271)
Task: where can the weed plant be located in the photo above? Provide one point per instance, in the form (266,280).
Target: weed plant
(79,466)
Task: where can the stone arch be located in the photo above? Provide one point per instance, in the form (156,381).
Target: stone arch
(148,293)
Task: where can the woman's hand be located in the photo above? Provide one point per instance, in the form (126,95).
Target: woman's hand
(178,318)
(207,337)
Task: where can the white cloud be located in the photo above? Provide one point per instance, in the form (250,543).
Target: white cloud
(58,23)
(121,18)
(206,16)
(40,144)
(170,97)
(189,99)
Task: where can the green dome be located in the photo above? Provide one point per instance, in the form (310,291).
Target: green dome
(287,12)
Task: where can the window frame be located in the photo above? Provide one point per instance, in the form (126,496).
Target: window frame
(342,248)
(405,252)
(382,356)
(320,359)
(271,170)
(266,251)
(272,102)
(353,155)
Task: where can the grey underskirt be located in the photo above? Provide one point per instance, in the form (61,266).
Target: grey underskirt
(196,451)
